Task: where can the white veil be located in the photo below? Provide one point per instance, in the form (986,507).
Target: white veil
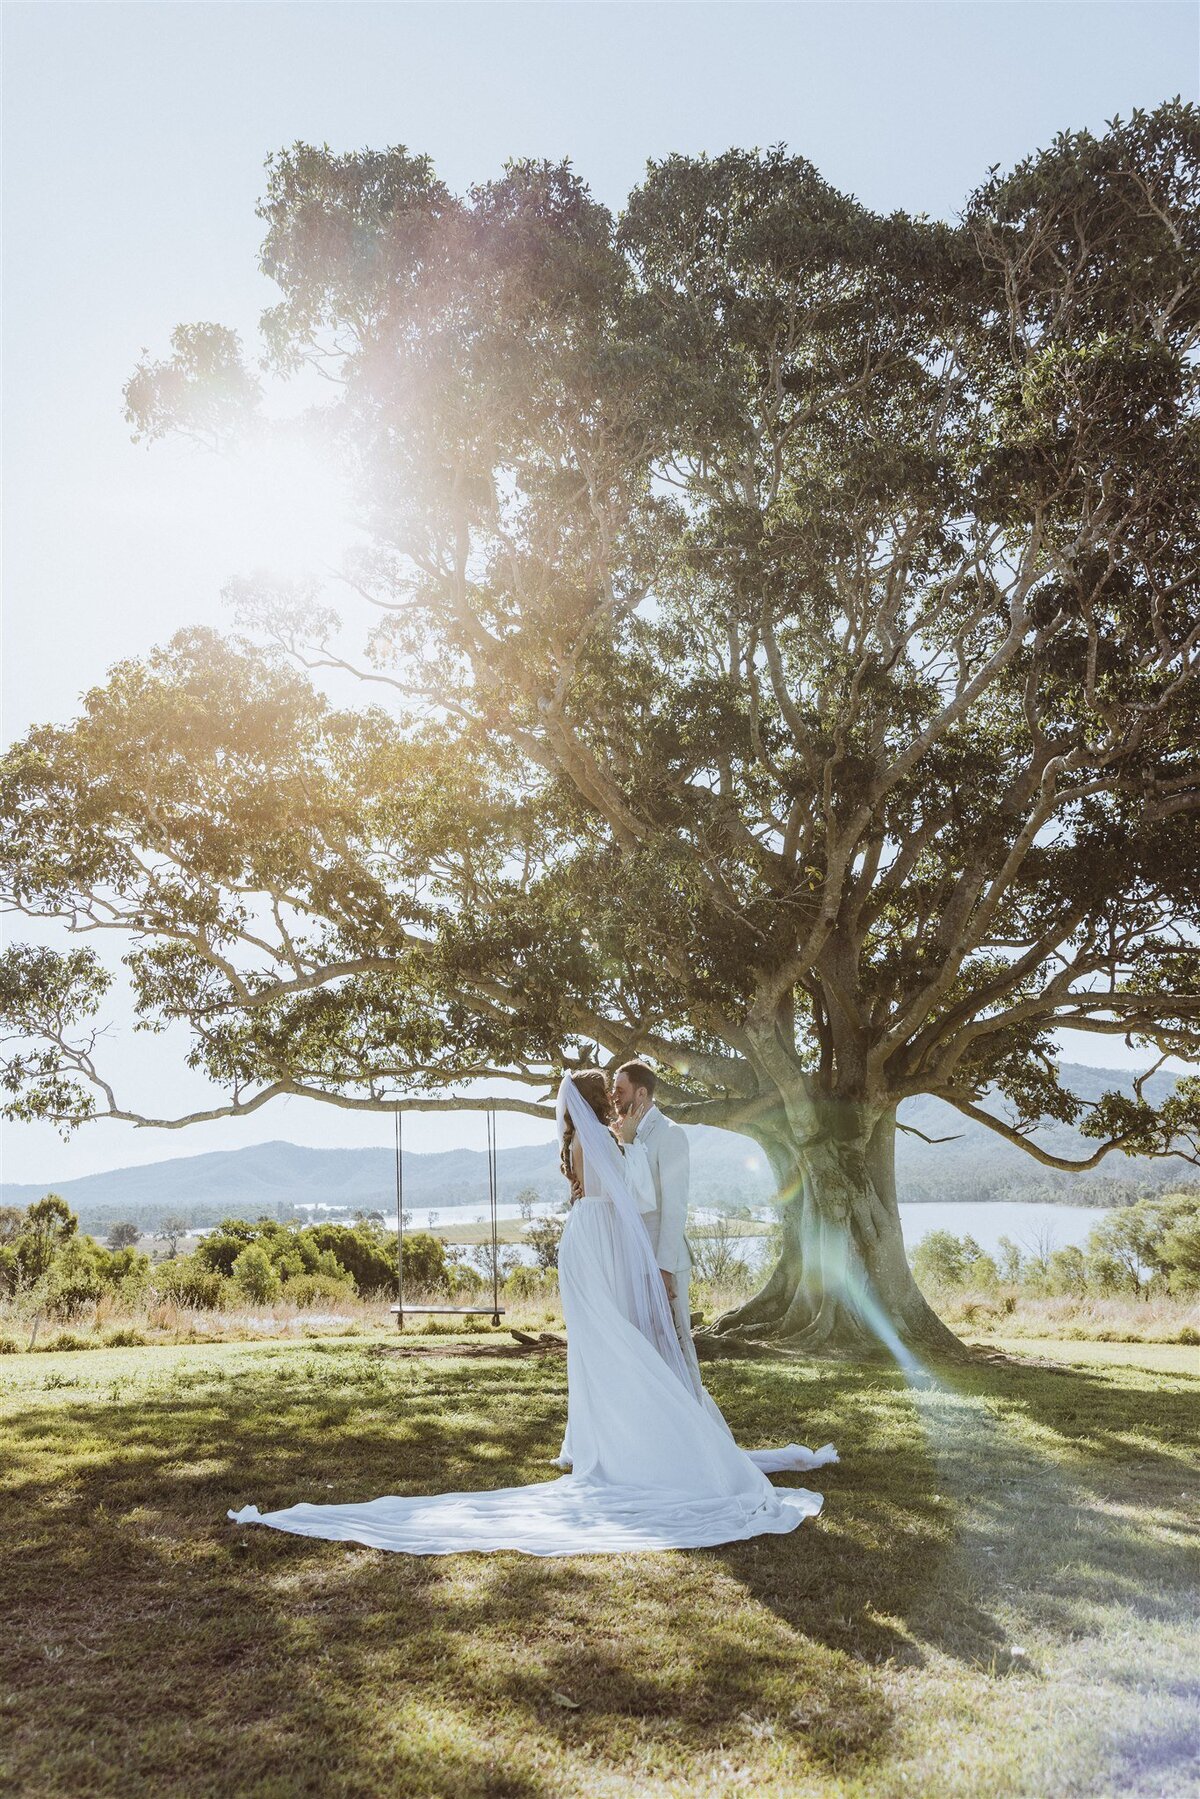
(607,1174)
(654,1465)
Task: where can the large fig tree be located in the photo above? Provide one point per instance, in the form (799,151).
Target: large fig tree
(781,653)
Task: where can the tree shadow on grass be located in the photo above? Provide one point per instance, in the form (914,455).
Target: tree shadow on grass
(161,1650)
(340,1670)
(351,1669)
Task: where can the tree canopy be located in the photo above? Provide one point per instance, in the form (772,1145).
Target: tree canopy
(779,659)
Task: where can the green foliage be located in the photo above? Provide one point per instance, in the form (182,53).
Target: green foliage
(56,1271)
(463,1281)
(76,1278)
(318,1289)
(1011,1261)
(525,1283)
(192,1283)
(494,1265)
(48,1226)
(361,1253)
(942,1261)
(220,1249)
(543,1236)
(1149,1248)
(424,1262)
(749,571)
(366,1254)
(1067,1271)
(1180,1253)
(254,1276)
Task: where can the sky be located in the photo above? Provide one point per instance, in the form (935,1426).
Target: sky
(134,142)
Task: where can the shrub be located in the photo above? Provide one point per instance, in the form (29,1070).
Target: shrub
(221,1248)
(981,1312)
(125,1339)
(9,1346)
(463,1281)
(314,1289)
(69,1340)
(254,1275)
(188,1282)
(73,1282)
(494,1266)
(716,1257)
(942,1261)
(368,1258)
(1181,1255)
(524,1283)
(424,1263)
(48,1225)
(543,1236)
(1148,1247)
(1067,1271)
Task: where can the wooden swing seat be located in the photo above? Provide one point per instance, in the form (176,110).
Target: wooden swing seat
(495,1311)
(450,1311)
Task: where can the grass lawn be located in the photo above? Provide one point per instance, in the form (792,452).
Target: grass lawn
(994,1602)
(1160,1358)
(478,1230)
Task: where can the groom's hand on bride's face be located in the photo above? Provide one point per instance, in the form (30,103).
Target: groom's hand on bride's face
(628,1121)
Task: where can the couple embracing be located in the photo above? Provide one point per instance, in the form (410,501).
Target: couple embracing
(652,1462)
(658,1170)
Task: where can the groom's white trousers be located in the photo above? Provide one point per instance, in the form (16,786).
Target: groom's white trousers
(681,1306)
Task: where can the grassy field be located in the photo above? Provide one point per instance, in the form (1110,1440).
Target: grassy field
(994,1602)
(1158,1358)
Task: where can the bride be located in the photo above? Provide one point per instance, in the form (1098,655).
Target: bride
(653,1462)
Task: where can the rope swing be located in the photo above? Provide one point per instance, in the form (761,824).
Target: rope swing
(496,1309)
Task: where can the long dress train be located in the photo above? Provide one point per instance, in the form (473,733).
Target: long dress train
(654,1463)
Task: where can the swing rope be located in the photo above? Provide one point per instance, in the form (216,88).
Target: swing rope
(496,1309)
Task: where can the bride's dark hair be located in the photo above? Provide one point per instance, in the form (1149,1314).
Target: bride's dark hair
(594,1087)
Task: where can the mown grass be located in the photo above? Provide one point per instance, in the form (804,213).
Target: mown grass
(996,1600)
(1162,1358)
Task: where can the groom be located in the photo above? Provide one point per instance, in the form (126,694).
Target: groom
(666,1146)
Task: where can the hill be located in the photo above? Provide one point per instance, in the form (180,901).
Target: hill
(727,1170)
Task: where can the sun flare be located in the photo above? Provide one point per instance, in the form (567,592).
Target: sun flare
(276,500)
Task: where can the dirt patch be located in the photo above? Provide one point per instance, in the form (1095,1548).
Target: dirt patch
(431,1346)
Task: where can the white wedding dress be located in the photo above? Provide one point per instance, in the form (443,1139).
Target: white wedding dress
(654,1465)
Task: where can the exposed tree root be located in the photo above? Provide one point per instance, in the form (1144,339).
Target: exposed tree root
(842,1285)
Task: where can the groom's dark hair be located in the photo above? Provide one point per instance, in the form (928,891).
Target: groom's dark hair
(640,1076)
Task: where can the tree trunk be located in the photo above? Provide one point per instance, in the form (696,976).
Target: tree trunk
(842,1281)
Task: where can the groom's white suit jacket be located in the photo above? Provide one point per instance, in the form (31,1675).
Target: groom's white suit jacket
(666,1148)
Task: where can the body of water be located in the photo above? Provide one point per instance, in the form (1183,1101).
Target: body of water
(1029,1225)
(987,1220)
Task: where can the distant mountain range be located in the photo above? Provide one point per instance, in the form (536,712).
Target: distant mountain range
(275,1179)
